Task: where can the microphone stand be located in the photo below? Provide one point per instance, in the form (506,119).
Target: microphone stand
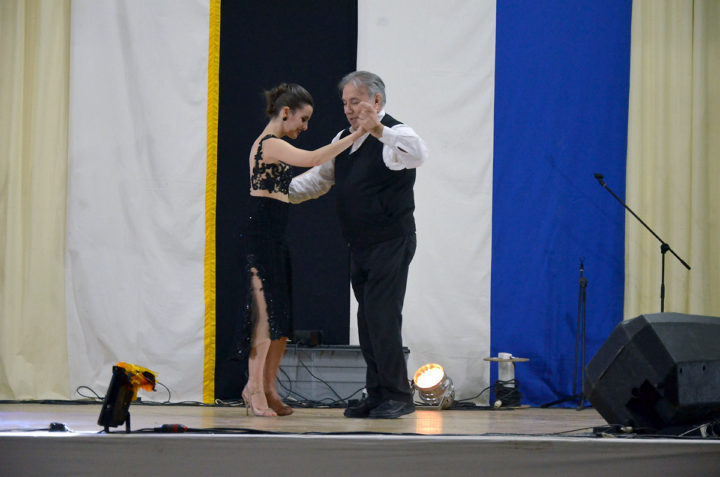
(664,247)
(579,337)
(581,318)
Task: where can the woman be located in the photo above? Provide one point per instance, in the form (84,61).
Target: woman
(266,324)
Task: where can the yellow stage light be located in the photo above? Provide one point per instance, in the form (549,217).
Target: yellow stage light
(434,387)
(126,380)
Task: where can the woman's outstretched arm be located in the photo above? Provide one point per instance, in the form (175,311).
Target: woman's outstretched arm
(277,150)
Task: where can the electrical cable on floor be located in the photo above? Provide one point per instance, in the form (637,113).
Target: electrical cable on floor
(468,403)
(706,431)
(298,400)
(231,403)
(180,428)
(305,402)
(709,429)
(507,393)
(97,396)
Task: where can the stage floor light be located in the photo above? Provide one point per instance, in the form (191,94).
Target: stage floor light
(126,380)
(434,387)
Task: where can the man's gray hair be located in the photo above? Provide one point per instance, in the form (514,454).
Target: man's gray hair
(372,83)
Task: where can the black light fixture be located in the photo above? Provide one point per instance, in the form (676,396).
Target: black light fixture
(126,380)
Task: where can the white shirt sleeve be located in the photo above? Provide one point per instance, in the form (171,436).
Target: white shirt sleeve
(313,183)
(403,148)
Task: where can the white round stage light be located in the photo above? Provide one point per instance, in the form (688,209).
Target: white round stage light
(434,387)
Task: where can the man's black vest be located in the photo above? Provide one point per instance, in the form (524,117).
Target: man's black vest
(374,203)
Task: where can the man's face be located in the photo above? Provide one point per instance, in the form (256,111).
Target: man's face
(352,97)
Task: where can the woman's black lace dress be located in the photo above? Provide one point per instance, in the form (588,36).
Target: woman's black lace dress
(267,252)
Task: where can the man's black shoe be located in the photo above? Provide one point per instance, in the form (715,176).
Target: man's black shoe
(392,409)
(361,409)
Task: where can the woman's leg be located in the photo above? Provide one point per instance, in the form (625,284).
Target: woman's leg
(254,393)
(272,365)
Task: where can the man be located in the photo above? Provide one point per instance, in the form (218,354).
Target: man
(374,182)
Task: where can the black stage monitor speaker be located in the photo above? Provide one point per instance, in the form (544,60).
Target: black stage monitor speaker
(657,372)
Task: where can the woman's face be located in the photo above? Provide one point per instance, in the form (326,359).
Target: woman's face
(297,120)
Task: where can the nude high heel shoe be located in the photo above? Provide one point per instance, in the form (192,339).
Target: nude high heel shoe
(249,406)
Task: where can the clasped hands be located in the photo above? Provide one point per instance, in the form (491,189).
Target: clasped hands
(368,119)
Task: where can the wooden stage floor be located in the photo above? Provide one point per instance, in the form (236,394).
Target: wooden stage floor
(520,421)
(322,442)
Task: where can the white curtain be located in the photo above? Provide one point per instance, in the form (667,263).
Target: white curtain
(673,163)
(136,191)
(34,62)
(442,85)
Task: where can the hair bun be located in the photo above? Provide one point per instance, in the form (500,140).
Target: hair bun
(284,94)
(272,96)
(278,90)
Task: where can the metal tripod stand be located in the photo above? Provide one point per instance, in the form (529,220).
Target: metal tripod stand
(579,347)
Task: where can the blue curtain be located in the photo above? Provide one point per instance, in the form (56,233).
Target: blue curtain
(561,107)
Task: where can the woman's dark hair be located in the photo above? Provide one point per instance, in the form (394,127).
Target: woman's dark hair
(292,95)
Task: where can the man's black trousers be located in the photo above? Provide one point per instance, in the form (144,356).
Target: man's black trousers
(379,279)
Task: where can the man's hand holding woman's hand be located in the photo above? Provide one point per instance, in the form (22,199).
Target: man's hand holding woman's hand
(368,119)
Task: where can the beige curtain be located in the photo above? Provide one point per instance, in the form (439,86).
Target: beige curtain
(673,175)
(34,65)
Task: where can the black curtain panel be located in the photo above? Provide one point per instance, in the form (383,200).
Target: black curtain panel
(313,43)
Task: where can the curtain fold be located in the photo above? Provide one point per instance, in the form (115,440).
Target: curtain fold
(673,157)
(34,60)
(443,86)
(136,194)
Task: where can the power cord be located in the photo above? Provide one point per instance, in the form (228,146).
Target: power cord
(507,393)
(296,399)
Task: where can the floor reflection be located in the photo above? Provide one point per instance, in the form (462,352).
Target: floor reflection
(429,422)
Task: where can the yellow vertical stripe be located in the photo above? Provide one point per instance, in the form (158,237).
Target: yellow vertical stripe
(210,201)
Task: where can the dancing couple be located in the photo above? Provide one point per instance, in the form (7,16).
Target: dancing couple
(372,166)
